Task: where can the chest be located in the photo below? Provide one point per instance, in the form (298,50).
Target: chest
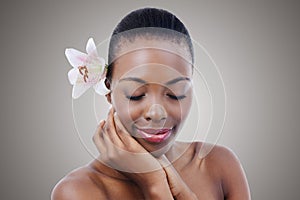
(203,185)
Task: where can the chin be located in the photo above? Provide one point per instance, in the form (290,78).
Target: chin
(159,144)
(158,153)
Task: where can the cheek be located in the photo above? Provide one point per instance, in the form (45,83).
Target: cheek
(136,110)
(179,110)
(127,112)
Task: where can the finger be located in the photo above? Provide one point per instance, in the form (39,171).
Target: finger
(126,137)
(100,126)
(168,167)
(98,138)
(171,172)
(164,161)
(110,129)
(173,177)
(121,130)
(99,129)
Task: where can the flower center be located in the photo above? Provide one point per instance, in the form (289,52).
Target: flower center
(84,72)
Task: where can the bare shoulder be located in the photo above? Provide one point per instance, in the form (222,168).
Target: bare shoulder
(220,156)
(217,155)
(227,166)
(77,185)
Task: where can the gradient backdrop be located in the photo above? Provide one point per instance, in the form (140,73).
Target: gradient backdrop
(254,43)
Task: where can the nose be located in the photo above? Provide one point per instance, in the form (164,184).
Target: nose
(156,113)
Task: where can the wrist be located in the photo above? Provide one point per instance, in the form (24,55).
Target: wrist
(151,179)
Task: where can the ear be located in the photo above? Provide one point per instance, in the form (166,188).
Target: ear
(108,96)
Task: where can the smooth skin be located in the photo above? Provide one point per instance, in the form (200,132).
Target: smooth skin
(117,174)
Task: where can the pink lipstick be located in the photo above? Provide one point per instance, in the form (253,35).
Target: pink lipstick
(155,135)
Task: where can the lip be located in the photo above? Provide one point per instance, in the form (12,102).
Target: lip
(155,135)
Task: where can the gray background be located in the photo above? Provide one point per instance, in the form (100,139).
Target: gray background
(254,43)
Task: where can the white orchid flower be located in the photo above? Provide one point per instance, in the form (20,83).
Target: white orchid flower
(88,70)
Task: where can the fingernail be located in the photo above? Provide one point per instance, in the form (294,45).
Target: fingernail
(101,122)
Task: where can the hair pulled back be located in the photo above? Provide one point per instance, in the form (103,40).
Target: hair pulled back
(144,18)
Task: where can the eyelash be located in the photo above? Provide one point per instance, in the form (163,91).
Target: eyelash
(135,98)
(139,97)
(176,97)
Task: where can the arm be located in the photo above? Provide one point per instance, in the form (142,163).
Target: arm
(234,182)
(178,188)
(170,187)
(120,151)
(71,188)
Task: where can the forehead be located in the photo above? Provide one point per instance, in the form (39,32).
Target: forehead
(152,64)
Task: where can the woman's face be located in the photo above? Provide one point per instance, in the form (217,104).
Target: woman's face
(152,95)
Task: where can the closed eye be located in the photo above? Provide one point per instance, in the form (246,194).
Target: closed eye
(174,97)
(135,98)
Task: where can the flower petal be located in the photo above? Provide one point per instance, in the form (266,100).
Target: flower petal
(101,88)
(75,57)
(73,75)
(102,62)
(79,89)
(91,48)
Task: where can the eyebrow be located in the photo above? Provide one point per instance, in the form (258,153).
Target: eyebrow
(175,80)
(133,79)
(171,82)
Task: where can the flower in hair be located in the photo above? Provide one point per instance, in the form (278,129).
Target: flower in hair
(88,70)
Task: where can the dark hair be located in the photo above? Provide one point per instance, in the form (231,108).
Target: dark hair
(146,17)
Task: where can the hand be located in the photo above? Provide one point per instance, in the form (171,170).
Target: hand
(177,186)
(120,151)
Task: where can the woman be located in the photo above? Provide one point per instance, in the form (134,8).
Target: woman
(150,96)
